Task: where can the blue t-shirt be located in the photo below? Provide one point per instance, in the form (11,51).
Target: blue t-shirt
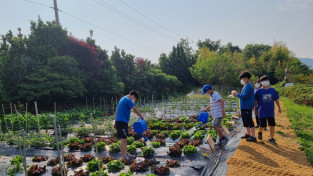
(266,98)
(246,97)
(123,109)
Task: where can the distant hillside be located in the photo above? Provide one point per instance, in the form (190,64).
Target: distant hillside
(307,61)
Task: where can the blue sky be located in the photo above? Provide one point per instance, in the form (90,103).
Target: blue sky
(238,21)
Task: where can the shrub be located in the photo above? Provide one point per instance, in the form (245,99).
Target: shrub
(115,166)
(129,173)
(83,131)
(175,134)
(189,149)
(98,174)
(93,165)
(147,152)
(131,149)
(115,147)
(100,146)
(130,140)
(185,135)
(138,144)
(155,144)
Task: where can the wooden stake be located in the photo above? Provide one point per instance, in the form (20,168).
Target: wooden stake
(57,141)
(26,116)
(5,119)
(24,153)
(18,116)
(226,131)
(62,152)
(210,142)
(94,141)
(36,109)
(11,116)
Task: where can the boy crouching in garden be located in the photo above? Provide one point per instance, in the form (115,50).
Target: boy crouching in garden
(217,111)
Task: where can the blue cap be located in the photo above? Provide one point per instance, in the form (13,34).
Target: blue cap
(206,88)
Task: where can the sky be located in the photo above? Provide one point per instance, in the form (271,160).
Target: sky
(147,28)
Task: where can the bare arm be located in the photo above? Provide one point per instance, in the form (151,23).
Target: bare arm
(278,104)
(137,112)
(207,108)
(255,107)
(223,106)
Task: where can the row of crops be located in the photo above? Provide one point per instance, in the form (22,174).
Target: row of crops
(89,146)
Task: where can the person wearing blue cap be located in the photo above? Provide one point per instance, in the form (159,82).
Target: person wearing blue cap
(246,105)
(122,116)
(217,111)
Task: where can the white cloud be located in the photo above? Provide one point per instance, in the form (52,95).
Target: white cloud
(295,5)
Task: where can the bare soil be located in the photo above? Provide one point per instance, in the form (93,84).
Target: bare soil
(263,158)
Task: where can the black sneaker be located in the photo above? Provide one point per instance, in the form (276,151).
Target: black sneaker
(251,139)
(224,141)
(272,141)
(260,135)
(246,136)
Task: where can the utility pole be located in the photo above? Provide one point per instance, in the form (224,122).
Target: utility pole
(56,11)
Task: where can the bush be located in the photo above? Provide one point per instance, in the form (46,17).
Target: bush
(129,173)
(185,135)
(166,133)
(115,166)
(299,93)
(175,134)
(189,149)
(100,146)
(131,149)
(98,174)
(115,147)
(199,134)
(155,144)
(93,165)
(130,140)
(83,131)
(138,144)
(147,152)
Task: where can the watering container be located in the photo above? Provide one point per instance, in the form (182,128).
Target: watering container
(140,126)
(203,117)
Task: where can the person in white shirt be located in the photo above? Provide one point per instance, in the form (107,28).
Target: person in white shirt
(217,111)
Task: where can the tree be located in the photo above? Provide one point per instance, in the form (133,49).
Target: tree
(212,45)
(60,80)
(178,63)
(218,69)
(255,50)
(229,47)
(125,67)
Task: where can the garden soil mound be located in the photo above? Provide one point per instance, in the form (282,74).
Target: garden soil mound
(263,158)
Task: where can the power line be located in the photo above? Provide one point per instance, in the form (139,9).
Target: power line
(164,27)
(85,21)
(115,10)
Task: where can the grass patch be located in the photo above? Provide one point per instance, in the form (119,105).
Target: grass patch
(301,118)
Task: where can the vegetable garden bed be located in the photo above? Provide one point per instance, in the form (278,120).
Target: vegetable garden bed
(175,151)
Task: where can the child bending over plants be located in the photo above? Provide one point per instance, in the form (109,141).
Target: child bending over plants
(217,111)
(122,116)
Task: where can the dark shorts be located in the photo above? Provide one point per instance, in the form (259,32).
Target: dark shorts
(246,115)
(122,129)
(270,121)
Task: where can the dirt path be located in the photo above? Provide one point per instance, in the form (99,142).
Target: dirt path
(263,158)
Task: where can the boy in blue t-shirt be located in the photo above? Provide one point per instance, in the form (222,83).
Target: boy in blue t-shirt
(122,116)
(264,101)
(246,105)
